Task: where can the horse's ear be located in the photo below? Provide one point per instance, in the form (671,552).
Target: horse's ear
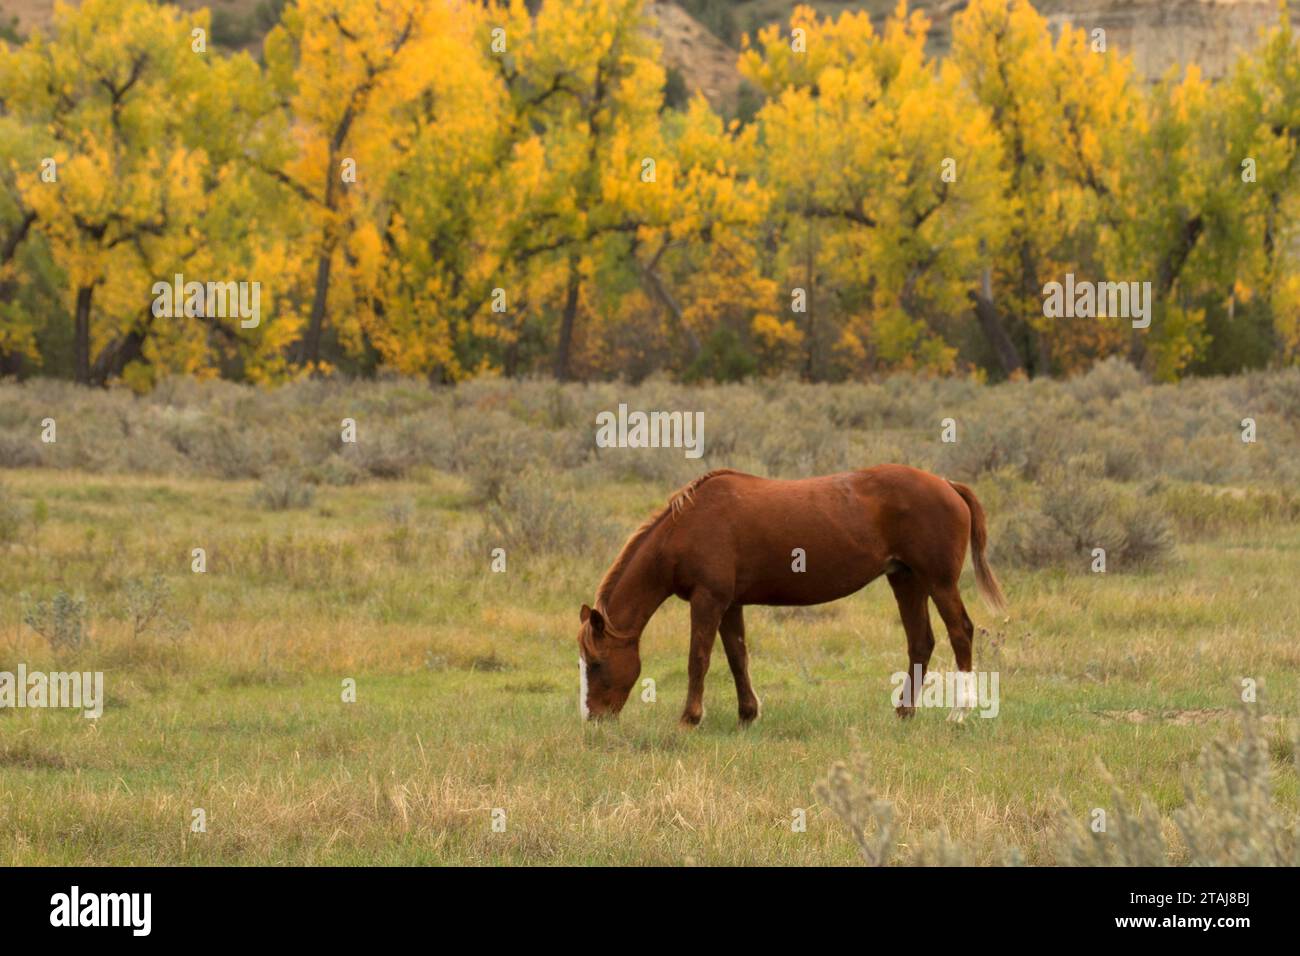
(593,618)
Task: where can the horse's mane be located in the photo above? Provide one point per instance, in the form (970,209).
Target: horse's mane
(681,499)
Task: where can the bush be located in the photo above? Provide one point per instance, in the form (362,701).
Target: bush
(1200,510)
(870,819)
(498,449)
(532,516)
(214,446)
(1230,820)
(60,620)
(1077,510)
(1106,381)
(284,490)
(490,429)
(394,448)
(490,462)
(148,607)
(1123,457)
(337,470)
(16,451)
(797,452)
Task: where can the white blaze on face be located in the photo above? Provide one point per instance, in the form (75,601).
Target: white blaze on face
(582,687)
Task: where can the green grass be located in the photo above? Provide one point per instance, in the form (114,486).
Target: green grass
(467,692)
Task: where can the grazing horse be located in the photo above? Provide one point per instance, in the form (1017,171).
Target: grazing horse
(729,539)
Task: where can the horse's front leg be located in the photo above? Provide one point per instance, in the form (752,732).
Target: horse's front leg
(706,614)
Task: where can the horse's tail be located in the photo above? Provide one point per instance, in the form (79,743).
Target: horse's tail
(985,580)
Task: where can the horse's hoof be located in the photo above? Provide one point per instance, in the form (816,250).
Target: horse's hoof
(750,714)
(905,712)
(690,721)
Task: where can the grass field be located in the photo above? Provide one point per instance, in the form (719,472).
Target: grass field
(230,698)
(467,698)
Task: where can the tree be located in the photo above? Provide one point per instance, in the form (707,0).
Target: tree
(344,69)
(18,326)
(1061,112)
(885,175)
(1260,110)
(121,91)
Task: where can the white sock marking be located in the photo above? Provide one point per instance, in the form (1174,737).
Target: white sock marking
(582,687)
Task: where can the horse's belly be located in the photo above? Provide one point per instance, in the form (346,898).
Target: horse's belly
(806,587)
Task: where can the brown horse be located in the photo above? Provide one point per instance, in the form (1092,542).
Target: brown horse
(729,539)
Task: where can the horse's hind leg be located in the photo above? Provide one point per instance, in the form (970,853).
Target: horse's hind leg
(911,596)
(732,630)
(961,633)
(706,615)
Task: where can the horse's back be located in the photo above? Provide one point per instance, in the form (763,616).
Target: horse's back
(890,487)
(810,540)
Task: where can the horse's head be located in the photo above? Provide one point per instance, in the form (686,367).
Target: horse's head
(608,666)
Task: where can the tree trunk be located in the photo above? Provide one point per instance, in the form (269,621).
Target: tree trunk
(316,322)
(81,335)
(1039,351)
(113,361)
(1044,354)
(991,322)
(811,362)
(11,363)
(567,321)
(654,284)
